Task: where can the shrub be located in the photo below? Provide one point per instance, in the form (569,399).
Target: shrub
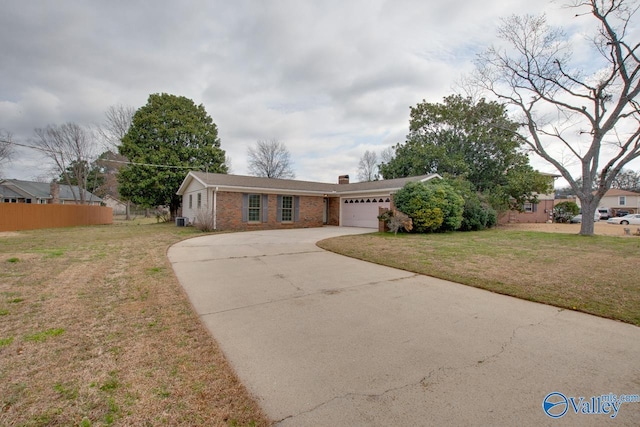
(564,211)
(204,220)
(478,213)
(477,216)
(433,206)
(396,220)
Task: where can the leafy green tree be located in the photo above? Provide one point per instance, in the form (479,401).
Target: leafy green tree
(169,136)
(475,141)
(433,206)
(520,185)
(477,214)
(89,172)
(564,211)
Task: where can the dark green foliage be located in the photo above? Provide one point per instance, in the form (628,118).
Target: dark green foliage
(94,179)
(477,214)
(171,131)
(433,206)
(475,141)
(564,211)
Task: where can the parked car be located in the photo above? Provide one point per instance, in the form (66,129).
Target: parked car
(578,218)
(605,213)
(622,213)
(633,219)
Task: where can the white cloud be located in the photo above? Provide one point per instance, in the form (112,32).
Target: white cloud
(330,79)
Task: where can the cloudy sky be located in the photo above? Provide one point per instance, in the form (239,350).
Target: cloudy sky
(330,79)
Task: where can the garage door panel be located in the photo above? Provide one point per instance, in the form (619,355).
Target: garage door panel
(362,212)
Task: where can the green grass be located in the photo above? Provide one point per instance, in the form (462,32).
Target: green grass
(44,335)
(595,274)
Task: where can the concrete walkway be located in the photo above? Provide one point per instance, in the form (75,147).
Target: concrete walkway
(325,340)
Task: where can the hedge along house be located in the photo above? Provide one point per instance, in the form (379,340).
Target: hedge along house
(236,202)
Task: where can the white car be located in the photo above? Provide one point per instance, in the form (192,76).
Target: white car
(578,218)
(633,219)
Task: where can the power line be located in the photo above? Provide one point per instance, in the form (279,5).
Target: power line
(126,162)
(148,164)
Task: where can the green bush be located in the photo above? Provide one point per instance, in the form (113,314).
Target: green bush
(564,211)
(433,206)
(477,214)
(492,217)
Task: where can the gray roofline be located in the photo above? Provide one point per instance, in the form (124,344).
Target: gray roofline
(242,183)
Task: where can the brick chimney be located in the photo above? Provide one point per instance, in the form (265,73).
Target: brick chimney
(55,193)
(343,179)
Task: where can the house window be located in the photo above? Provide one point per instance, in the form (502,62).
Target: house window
(287,208)
(528,207)
(190,201)
(199,200)
(622,200)
(254,207)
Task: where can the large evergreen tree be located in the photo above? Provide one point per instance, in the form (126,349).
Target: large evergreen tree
(169,136)
(473,140)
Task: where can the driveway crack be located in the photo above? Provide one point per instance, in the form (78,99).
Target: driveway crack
(424,382)
(319,292)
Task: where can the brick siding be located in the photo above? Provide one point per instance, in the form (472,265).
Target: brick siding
(229,209)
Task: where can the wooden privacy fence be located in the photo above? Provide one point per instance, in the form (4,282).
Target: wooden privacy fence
(24,216)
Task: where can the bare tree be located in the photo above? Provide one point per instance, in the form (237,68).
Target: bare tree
(71,148)
(627,180)
(227,163)
(270,159)
(118,119)
(368,167)
(571,117)
(6,146)
(387,154)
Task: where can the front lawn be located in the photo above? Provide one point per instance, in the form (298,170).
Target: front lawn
(95,330)
(597,274)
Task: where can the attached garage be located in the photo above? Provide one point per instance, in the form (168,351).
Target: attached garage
(362,211)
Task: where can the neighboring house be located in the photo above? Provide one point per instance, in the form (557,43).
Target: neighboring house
(247,202)
(119,207)
(17,191)
(533,212)
(621,200)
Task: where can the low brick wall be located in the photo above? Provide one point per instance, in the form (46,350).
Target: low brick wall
(25,216)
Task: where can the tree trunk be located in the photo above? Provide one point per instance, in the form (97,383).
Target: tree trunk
(588,207)
(173,209)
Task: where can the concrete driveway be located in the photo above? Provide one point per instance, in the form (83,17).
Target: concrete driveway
(325,340)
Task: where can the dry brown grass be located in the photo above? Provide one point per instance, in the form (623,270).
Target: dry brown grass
(593,274)
(95,330)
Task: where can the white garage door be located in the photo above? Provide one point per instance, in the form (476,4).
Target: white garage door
(362,211)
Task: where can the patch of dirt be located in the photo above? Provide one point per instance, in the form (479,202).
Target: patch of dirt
(8,234)
(601,228)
